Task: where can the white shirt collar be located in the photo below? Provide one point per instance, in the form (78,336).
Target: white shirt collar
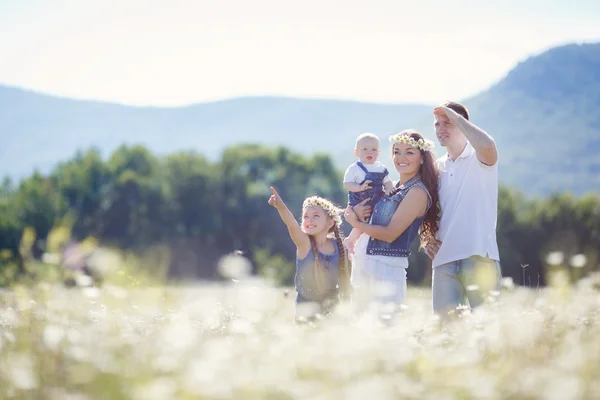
(467,151)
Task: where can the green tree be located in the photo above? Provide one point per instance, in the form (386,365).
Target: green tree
(131,212)
(84,183)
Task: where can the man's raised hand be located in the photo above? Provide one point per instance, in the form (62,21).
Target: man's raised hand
(452,115)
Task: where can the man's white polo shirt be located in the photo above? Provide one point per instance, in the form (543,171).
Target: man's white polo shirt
(468,193)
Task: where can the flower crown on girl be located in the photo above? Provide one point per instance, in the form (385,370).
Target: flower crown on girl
(327,206)
(405,138)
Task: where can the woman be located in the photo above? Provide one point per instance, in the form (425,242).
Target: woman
(380,258)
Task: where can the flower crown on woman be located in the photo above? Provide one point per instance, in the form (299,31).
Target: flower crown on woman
(405,138)
(327,206)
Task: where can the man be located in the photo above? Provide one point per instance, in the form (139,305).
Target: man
(466,263)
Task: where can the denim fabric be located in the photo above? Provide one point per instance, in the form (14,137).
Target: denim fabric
(376,190)
(305,282)
(382,215)
(469,279)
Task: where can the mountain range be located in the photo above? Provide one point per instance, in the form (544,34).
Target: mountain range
(544,115)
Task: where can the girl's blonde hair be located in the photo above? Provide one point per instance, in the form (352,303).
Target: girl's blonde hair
(344,268)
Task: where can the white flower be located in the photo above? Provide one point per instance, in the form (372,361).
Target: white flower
(327,206)
(578,261)
(423,144)
(555,257)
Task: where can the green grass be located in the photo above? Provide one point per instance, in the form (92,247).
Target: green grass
(239,341)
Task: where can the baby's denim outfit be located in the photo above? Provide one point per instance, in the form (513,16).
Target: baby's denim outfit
(376,190)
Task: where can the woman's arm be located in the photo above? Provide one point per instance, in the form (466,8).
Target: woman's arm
(299,238)
(362,211)
(410,208)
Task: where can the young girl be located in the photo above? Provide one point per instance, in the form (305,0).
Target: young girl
(322,271)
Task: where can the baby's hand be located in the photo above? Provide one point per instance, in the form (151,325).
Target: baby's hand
(388,188)
(366,185)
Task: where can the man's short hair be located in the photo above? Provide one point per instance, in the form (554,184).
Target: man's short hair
(459,108)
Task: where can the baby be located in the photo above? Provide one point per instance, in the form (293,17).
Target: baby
(367,178)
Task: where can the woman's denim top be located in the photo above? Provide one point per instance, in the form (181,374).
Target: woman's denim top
(306,275)
(382,215)
(376,190)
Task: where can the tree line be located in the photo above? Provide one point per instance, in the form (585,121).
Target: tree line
(201,210)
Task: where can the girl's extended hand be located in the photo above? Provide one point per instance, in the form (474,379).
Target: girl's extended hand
(275,199)
(350,216)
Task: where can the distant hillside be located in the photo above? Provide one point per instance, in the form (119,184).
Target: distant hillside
(544,116)
(39,130)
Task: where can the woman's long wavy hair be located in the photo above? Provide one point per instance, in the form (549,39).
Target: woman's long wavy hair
(429,176)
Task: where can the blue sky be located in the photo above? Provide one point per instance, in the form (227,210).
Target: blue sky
(179,52)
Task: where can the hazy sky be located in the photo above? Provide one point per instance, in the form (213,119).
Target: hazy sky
(185,51)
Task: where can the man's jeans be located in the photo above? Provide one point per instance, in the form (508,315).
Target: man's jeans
(470,279)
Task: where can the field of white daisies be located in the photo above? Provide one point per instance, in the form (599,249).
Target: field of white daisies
(238,339)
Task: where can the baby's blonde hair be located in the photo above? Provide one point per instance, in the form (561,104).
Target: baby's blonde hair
(366,135)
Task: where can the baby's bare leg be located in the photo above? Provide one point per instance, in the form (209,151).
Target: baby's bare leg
(350,241)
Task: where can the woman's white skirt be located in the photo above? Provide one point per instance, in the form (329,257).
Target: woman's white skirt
(378,278)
